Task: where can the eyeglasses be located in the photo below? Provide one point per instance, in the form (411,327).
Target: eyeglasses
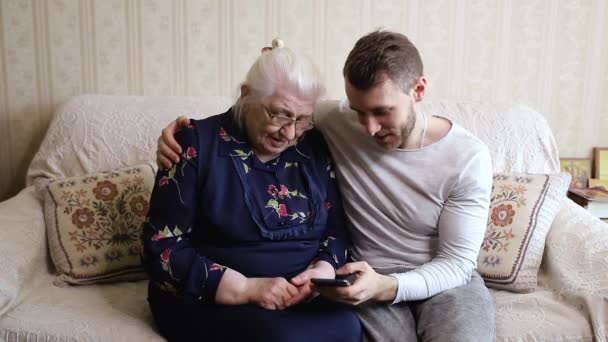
(281,120)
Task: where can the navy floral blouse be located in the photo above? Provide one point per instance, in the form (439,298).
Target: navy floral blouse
(220,207)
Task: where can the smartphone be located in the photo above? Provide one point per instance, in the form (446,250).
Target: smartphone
(346,280)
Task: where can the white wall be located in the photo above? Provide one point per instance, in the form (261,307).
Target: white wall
(551,55)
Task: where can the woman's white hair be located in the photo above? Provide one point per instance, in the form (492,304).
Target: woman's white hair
(281,67)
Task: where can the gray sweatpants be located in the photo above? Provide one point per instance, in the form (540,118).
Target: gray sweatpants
(466,313)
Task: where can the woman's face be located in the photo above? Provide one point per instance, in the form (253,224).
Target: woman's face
(268,129)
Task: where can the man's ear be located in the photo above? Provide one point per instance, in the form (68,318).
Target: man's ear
(419,88)
(244,91)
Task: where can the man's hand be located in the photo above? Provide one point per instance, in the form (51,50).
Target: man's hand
(168,149)
(369,285)
(320,269)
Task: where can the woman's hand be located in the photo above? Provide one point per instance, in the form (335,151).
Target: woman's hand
(168,150)
(369,285)
(320,269)
(269,293)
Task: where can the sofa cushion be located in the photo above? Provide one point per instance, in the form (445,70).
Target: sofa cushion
(522,209)
(94,224)
(116,312)
(543,316)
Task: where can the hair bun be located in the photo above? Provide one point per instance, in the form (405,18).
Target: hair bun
(277,43)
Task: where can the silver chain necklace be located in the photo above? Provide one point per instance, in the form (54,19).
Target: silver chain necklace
(423,131)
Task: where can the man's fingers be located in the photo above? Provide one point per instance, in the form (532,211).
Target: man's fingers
(163,163)
(326,291)
(168,148)
(352,267)
(182,121)
(353,295)
(169,139)
(348,295)
(168,152)
(169,132)
(333,295)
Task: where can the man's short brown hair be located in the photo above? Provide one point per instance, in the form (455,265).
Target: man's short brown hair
(383,53)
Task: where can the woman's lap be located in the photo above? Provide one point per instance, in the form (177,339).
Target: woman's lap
(319,320)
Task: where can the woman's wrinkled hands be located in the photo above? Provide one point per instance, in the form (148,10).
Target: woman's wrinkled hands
(270,293)
(168,149)
(320,269)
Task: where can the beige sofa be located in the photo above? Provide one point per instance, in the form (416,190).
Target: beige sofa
(92,133)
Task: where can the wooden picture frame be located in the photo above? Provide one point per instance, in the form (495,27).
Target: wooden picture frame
(579,169)
(600,162)
(598,183)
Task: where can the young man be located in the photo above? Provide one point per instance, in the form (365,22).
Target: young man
(416,191)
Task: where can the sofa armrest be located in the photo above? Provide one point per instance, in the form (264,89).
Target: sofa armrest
(575,264)
(576,253)
(23,245)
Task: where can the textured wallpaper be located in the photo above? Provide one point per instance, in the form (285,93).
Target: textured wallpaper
(551,55)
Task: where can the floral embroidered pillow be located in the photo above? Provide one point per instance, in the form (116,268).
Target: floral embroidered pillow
(94,224)
(523,207)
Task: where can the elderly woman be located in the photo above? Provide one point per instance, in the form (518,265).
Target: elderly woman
(248,216)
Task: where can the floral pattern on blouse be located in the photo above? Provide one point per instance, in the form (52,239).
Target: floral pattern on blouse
(278,196)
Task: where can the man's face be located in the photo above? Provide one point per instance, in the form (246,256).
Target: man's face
(385,111)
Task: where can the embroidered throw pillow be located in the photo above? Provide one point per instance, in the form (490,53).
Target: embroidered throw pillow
(522,209)
(94,223)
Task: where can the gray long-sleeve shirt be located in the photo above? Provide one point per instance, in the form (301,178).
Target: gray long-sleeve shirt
(423,211)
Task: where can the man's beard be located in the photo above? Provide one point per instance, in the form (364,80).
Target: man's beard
(406,129)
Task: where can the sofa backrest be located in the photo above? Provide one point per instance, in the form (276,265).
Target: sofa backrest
(93,133)
(519,138)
